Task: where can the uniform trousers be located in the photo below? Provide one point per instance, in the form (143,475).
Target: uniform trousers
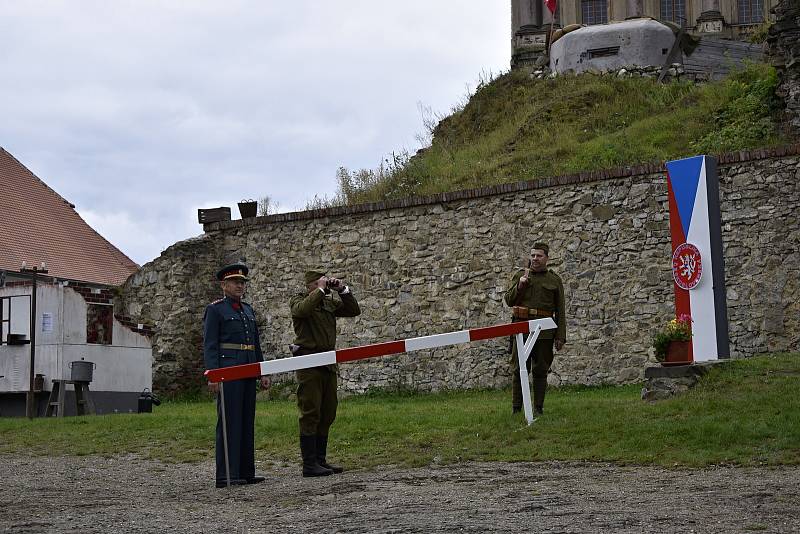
(316,400)
(240,412)
(542,358)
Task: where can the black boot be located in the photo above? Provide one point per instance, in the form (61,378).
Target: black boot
(308,449)
(322,449)
(539,388)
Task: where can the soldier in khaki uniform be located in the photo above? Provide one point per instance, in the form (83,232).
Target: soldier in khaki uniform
(314,314)
(535,293)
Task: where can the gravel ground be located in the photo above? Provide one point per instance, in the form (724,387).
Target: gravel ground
(131,494)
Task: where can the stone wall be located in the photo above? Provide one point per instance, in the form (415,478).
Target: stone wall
(170,293)
(784,47)
(437,264)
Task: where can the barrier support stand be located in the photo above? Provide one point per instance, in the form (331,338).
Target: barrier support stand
(524,349)
(225,433)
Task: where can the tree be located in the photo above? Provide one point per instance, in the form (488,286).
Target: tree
(267,206)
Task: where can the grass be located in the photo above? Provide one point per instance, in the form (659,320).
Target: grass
(745,412)
(517,128)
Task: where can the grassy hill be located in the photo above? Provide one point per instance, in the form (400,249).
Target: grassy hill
(518,128)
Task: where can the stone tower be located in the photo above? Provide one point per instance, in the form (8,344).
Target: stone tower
(530,22)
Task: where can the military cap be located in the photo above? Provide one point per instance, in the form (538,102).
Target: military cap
(312,275)
(542,246)
(233,271)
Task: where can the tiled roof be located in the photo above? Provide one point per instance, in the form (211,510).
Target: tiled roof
(37,225)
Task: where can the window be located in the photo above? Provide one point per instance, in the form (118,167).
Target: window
(5,319)
(674,11)
(751,11)
(594,11)
(99,323)
(15,316)
(607,51)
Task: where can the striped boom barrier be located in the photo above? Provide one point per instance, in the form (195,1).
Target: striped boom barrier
(295,363)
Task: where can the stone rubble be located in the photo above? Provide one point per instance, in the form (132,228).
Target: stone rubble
(674,72)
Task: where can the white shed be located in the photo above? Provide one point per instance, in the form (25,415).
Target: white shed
(74,321)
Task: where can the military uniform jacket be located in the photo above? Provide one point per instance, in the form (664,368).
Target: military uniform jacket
(314,319)
(544,291)
(223,323)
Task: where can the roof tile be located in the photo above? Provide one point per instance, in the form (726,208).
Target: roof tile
(38,225)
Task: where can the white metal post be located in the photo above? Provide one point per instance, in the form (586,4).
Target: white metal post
(523,351)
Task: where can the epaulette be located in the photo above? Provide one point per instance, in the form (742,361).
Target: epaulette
(216,301)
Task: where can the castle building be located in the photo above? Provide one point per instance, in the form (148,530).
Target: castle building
(729,19)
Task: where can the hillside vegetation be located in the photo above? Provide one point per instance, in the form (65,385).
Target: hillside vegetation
(517,128)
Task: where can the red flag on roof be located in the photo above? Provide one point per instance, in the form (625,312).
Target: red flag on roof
(551,5)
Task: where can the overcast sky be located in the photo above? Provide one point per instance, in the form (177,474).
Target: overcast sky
(141,112)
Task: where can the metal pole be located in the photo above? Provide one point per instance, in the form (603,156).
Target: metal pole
(225,433)
(30,399)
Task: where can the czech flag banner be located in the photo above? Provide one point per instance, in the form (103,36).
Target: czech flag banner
(698,267)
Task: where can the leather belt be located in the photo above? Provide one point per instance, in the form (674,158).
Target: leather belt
(297,350)
(522,312)
(236,346)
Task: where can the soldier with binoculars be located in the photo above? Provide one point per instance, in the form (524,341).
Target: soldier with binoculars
(314,314)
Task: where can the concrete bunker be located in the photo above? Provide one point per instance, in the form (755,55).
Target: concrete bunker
(606,47)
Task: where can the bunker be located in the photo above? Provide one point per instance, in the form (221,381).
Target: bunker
(605,47)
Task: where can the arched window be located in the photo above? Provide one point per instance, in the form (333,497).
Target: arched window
(751,11)
(675,11)
(594,11)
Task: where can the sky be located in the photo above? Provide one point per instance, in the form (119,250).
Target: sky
(141,112)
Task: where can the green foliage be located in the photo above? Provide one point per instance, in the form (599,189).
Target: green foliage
(761,32)
(516,128)
(745,118)
(703,427)
(679,329)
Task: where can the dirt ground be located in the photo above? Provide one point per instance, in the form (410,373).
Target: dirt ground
(130,494)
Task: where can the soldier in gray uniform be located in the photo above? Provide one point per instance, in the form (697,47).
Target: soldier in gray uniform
(230,337)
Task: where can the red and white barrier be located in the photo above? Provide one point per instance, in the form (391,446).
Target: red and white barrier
(254,370)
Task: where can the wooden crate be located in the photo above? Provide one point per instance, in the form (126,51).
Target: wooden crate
(210,215)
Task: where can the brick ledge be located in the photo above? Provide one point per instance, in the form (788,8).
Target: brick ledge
(728,158)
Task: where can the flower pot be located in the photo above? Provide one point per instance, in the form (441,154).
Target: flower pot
(677,354)
(248,209)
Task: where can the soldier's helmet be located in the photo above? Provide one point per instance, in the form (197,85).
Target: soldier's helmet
(235,271)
